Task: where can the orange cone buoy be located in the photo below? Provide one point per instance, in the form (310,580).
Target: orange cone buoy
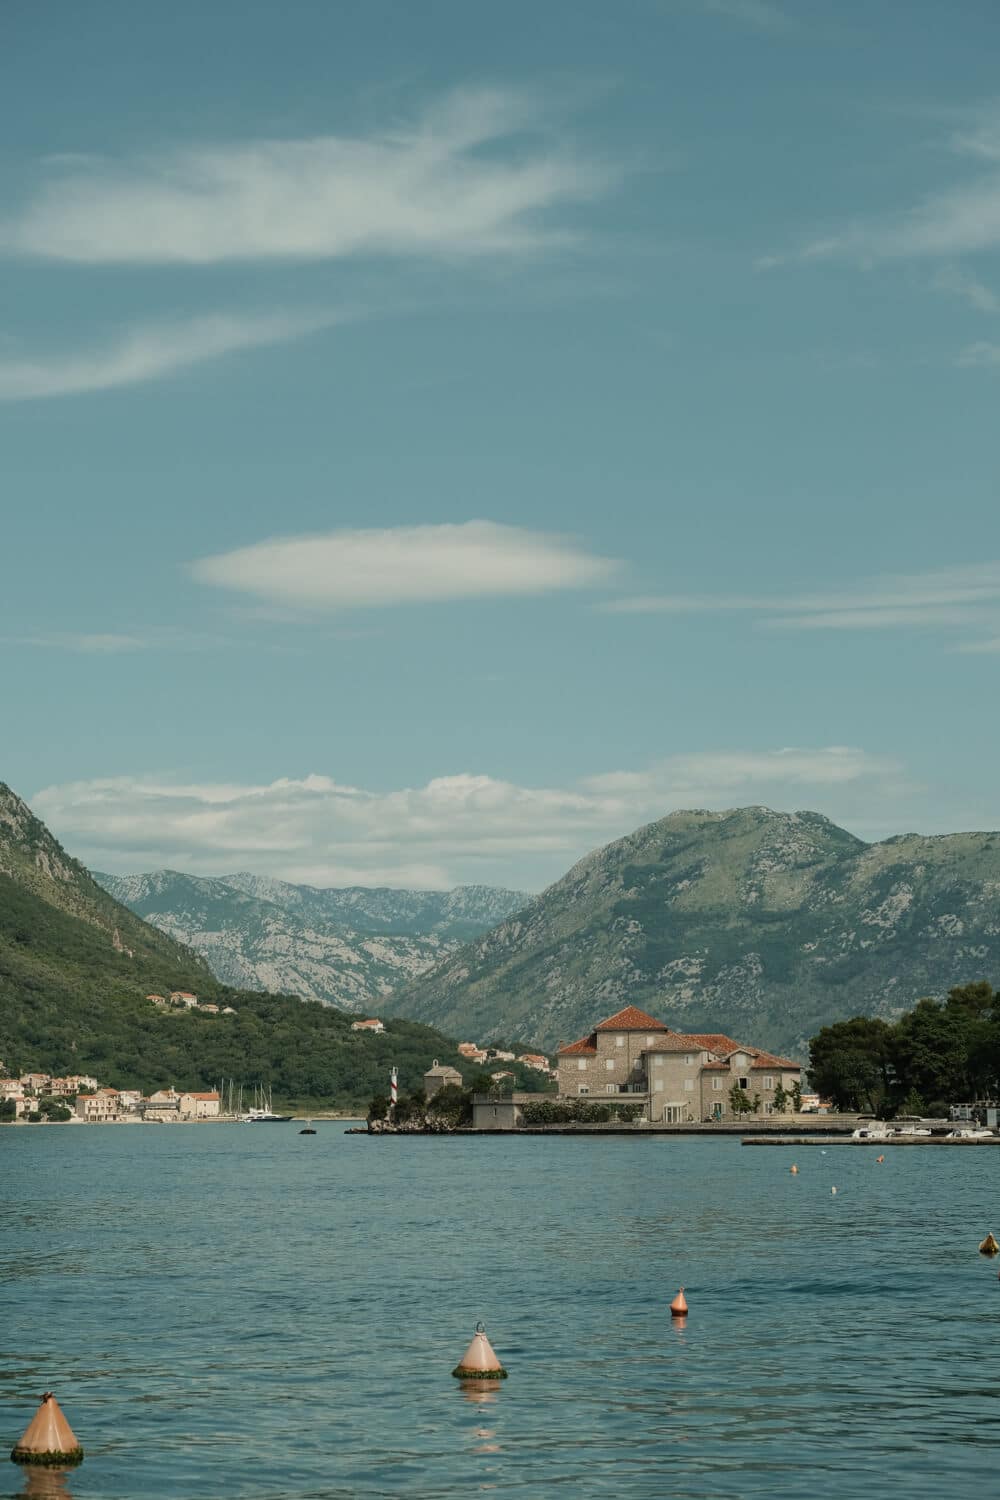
(679,1307)
(479,1362)
(49,1439)
(794,1170)
(990,1246)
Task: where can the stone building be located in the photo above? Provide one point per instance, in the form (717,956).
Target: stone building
(438,1075)
(680,1077)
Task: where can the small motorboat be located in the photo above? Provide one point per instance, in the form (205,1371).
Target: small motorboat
(872,1133)
(307,1130)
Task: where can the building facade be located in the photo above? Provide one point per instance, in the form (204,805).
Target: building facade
(682,1078)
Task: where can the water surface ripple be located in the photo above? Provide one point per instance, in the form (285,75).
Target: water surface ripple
(246,1313)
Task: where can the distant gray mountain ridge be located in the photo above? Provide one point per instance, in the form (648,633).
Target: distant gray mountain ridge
(765,925)
(347,947)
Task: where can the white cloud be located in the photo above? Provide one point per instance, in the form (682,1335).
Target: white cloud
(405,565)
(438,187)
(455,828)
(950,597)
(149,352)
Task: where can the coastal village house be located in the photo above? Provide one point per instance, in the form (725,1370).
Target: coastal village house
(680,1077)
(98,1108)
(198,1106)
(374,1025)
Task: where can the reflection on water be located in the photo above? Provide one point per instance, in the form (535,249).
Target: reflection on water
(223,1314)
(43,1483)
(482,1392)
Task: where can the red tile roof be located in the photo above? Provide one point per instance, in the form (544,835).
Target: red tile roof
(721,1067)
(673,1041)
(630,1019)
(716,1041)
(588,1044)
(767,1060)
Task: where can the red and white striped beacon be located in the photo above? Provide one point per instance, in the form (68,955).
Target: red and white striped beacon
(393,1087)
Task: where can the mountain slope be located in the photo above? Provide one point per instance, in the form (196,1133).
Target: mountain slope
(766,925)
(72,998)
(343,947)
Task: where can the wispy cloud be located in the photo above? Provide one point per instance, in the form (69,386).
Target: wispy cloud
(962,283)
(105,643)
(478,174)
(760,14)
(455,827)
(405,565)
(951,597)
(982,353)
(150,352)
(957,220)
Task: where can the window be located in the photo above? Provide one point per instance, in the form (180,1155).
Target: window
(716,1084)
(649,1041)
(583,1089)
(657,1062)
(658,1086)
(619,1041)
(769,1109)
(689,1084)
(611,1088)
(582,1064)
(744,1083)
(768,1081)
(609,1063)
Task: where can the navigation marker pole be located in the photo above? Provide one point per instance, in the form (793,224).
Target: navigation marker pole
(393,1090)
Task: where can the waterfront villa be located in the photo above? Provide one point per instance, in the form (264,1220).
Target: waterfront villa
(98,1108)
(680,1077)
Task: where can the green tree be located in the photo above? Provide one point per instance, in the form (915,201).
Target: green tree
(739,1101)
(796,1093)
(851,1063)
(780,1101)
(929,1046)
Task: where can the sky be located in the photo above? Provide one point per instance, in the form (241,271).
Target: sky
(437,439)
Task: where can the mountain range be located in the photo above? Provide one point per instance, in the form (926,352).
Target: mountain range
(77,968)
(345,947)
(761,924)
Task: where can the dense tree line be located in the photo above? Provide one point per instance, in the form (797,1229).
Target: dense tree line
(937,1054)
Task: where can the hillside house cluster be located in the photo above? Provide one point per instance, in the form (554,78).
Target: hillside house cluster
(680,1077)
(485,1055)
(185,1000)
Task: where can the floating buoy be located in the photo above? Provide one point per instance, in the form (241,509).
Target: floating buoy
(479,1362)
(679,1307)
(794,1170)
(880,1159)
(49,1438)
(990,1246)
(833,1190)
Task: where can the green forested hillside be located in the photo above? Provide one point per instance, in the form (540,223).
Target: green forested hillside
(69,1003)
(75,968)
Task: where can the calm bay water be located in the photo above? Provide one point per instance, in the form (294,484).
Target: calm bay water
(245,1312)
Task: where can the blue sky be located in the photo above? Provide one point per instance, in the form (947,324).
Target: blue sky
(440,438)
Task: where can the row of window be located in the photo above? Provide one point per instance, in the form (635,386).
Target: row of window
(767,1082)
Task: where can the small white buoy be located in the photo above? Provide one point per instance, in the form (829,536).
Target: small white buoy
(833,1190)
